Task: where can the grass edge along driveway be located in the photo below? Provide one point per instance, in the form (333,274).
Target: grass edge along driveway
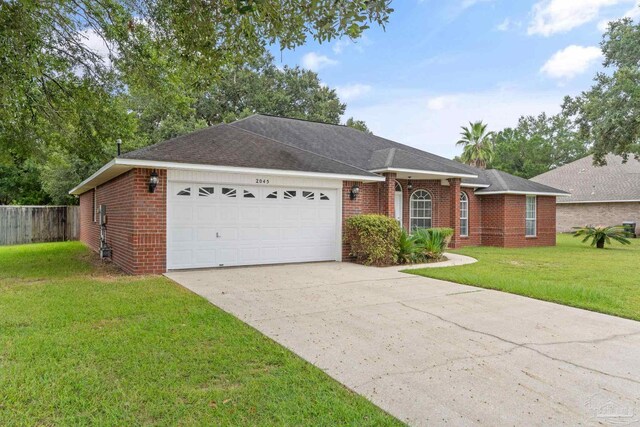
(571,273)
(81,344)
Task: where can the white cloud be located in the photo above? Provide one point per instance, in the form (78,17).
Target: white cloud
(350,92)
(314,61)
(441,102)
(558,16)
(504,25)
(340,45)
(408,116)
(567,63)
(633,13)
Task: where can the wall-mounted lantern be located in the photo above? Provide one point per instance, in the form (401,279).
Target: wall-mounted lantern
(354,191)
(153,181)
(409,185)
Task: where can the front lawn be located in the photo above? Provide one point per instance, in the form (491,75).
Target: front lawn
(571,273)
(81,344)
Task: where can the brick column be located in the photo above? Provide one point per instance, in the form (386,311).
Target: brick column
(454,211)
(387,195)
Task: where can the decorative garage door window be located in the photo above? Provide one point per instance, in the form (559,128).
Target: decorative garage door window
(309,195)
(248,195)
(205,191)
(185,192)
(324,196)
(229,192)
(464,214)
(420,210)
(289,194)
(273,195)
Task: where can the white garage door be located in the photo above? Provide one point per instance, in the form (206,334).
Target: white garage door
(215,225)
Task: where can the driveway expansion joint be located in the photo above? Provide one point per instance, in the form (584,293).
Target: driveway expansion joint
(523,345)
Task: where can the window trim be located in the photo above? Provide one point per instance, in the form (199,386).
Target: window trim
(466,217)
(95,205)
(411,217)
(534,218)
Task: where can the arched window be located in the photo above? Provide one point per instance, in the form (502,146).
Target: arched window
(420,210)
(398,187)
(464,214)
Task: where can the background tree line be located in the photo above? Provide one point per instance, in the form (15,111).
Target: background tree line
(604,119)
(172,66)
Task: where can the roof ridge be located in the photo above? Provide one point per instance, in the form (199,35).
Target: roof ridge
(500,178)
(390,156)
(298,119)
(299,149)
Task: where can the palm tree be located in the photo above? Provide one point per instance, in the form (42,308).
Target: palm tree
(477,145)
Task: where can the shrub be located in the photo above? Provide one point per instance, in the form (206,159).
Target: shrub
(432,241)
(601,235)
(373,239)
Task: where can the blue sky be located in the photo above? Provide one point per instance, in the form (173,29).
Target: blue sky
(443,63)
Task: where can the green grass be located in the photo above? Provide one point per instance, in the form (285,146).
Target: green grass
(571,273)
(81,344)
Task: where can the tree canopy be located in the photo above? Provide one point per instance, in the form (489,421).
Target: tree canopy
(609,113)
(536,145)
(165,72)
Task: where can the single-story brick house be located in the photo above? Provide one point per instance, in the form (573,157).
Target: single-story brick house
(275,190)
(600,195)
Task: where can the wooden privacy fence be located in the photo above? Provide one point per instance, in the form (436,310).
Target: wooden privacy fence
(32,224)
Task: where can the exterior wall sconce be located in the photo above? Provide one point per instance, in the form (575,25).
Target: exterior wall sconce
(354,191)
(153,181)
(409,185)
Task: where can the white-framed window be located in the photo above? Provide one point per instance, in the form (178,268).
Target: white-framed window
(95,205)
(420,210)
(464,214)
(530,217)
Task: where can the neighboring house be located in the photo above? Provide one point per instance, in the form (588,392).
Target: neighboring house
(600,195)
(268,190)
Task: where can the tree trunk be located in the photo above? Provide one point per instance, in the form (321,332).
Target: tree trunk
(600,243)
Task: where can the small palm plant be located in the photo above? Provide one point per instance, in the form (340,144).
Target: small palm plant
(601,235)
(408,251)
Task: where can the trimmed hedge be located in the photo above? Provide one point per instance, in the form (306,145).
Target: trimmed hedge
(373,239)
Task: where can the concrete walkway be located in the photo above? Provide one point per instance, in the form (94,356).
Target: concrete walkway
(434,352)
(451,261)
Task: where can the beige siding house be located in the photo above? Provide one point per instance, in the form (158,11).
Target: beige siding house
(600,195)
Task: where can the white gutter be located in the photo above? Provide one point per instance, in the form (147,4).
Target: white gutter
(598,201)
(525,193)
(467,185)
(425,172)
(153,164)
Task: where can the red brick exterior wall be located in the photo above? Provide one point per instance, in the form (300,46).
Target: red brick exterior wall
(494,220)
(503,221)
(136,227)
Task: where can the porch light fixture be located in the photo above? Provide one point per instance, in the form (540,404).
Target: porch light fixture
(153,181)
(354,191)
(409,184)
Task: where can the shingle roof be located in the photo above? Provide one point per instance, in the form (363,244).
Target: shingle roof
(269,142)
(341,142)
(226,145)
(616,181)
(502,182)
(402,159)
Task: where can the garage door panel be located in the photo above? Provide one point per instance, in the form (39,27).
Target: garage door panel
(223,225)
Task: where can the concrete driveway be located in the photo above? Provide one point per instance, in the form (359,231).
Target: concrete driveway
(434,352)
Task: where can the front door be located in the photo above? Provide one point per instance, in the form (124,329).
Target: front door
(398,204)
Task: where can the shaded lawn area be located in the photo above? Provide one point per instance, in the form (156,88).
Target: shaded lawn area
(81,344)
(571,273)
